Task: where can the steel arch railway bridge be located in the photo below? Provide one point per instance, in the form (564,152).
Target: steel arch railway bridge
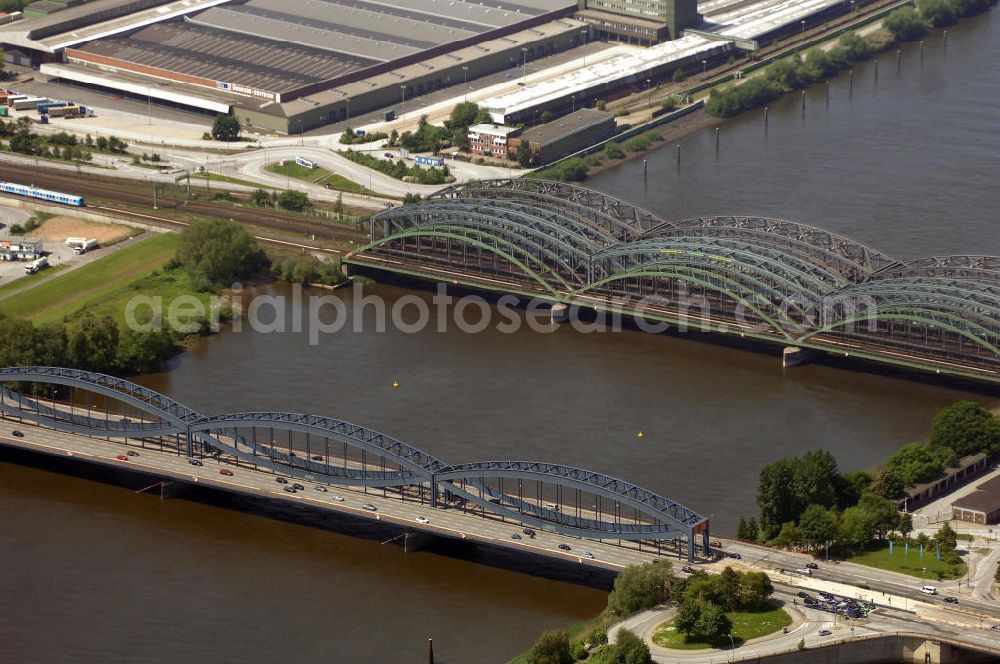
(767,279)
(322,450)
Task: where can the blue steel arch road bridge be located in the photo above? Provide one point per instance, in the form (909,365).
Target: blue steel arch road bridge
(322,450)
(767,279)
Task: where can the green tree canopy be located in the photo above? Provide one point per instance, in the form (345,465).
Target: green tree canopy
(552,647)
(628,649)
(905,24)
(940,13)
(817,525)
(640,587)
(226,127)
(215,253)
(966,428)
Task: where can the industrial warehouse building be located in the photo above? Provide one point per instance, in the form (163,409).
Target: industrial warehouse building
(289,67)
(572,133)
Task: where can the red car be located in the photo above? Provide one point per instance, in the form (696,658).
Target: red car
(122,457)
(226,471)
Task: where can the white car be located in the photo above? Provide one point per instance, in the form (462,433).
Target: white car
(423,519)
(339,499)
(588,554)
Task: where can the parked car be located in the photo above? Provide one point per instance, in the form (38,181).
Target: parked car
(226,472)
(389,155)
(195,462)
(17,434)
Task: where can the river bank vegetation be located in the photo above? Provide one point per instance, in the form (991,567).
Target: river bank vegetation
(819,63)
(80,319)
(807,504)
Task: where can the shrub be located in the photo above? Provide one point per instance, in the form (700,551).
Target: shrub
(729,101)
(940,13)
(905,24)
(784,74)
(613,150)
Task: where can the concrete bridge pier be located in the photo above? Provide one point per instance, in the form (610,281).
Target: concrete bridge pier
(794,356)
(169,489)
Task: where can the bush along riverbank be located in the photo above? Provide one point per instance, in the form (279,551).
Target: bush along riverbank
(134,326)
(818,64)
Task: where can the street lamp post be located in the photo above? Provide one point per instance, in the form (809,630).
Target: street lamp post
(402,117)
(704,67)
(524,65)
(573,100)
(465,82)
(583,33)
(803,22)
(348,108)
(732,649)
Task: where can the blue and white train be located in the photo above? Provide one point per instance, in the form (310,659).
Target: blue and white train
(41,194)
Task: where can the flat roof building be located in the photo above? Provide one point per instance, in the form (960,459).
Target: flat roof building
(982,506)
(569,134)
(491,140)
(643,22)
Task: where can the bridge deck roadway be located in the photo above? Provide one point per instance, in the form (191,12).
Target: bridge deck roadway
(448,523)
(969,623)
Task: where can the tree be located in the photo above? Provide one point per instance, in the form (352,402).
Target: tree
(628,649)
(713,623)
(815,479)
(966,428)
(217,252)
(92,343)
(887,484)
(785,73)
(910,464)
(688,615)
(729,589)
(613,150)
(905,525)
(905,24)
(817,525)
(640,587)
(775,500)
(940,13)
(261,198)
(226,127)
(851,486)
(552,647)
(526,157)
(787,536)
(338,206)
(679,76)
(946,538)
(295,201)
(880,512)
(755,589)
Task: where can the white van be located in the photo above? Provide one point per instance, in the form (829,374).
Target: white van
(929,590)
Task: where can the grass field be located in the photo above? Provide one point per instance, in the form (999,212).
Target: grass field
(201,178)
(746,625)
(96,286)
(911,564)
(27,280)
(316,176)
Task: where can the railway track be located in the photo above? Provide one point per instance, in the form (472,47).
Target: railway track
(102,194)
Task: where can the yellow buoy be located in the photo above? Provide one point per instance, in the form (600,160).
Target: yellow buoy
(642,435)
(395,384)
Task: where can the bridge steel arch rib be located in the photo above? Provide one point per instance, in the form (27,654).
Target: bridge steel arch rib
(236,435)
(667,516)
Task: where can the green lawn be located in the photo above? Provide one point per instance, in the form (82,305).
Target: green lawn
(92,285)
(29,279)
(911,564)
(293,170)
(201,178)
(746,625)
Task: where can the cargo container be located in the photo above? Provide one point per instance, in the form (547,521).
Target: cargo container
(43,107)
(28,103)
(435,162)
(14,98)
(3,111)
(36,265)
(64,111)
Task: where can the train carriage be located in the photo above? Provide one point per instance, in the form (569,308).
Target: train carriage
(41,194)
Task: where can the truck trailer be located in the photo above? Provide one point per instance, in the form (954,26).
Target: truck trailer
(36,265)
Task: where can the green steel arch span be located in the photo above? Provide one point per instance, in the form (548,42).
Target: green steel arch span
(771,279)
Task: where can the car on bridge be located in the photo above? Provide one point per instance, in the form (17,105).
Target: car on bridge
(195,462)
(812,566)
(565,547)
(687,569)
(515,536)
(529,532)
(320,488)
(951,600)
(17,434)
(290,489)
(423,519)
(226,472)
(588,554)
(370,507)
(339,499)
(132,453)
(122,457)
(281,480)
(298,487)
